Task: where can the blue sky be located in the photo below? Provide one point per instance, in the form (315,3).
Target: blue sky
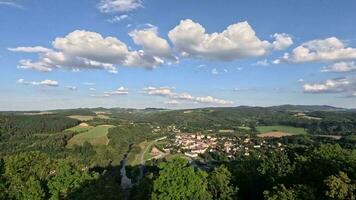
(176,54)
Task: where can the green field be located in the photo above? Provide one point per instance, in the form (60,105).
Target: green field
(244,128)
(94,135)
(286,129)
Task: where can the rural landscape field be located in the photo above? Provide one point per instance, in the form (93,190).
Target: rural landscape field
(177,100)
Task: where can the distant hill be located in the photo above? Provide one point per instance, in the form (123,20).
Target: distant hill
(306,108)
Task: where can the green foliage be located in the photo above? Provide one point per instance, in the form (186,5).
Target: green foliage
(275,166)
(67,178)
(177,180)
(296,192)
(340,187)
(219,184)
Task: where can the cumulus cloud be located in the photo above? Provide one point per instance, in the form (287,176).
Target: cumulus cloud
(158,91)
(212,100)
(82,49)
(282,41)
(110,6)
(36,49)
(151,43)
(119,91)
(47,82)
(168,93)
(340,67)
(237,41)
(327,50)
(117,18)
(337,85)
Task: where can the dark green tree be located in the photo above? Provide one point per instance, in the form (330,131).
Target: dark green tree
(178,180)
(220,184)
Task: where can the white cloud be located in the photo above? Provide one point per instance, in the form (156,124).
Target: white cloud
(160,91)
(300,80)
(171,102)
(117,18)
(327,50)
(110,6)
(212,100)
(282,41)
(41,83)
(38,66)
(340,67)
(183,96)
(170,95)
(89,50)
(119,91)
(151,43)
(331,86)
(262,63)
(236,42)
(92,89)
(214,71)
(11,3)
(36,49)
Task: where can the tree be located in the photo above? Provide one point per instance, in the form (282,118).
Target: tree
(67,179)
(219,184)
(177,180)
(296,192)
(275,166)
(280,192)
(340,187)
(3,182)
(32,190)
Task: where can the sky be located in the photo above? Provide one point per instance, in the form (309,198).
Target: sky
(176,53)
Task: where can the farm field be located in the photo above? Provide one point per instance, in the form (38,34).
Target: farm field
(94,135)
(279,131)
(82,117)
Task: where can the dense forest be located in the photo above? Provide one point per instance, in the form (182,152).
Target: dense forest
(36,162)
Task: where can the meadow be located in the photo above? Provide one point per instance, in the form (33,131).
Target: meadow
(280,128)
(94,135)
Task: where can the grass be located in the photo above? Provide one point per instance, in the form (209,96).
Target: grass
(351,138)
(94,135)
(244,128)
(286,129)
(82,117)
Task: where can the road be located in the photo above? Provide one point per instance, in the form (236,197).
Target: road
(142,157)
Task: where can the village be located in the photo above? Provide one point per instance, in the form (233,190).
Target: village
(193,144)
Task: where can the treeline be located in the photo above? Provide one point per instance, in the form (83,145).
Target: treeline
(23,126)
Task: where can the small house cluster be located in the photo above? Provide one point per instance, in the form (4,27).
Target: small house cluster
(194,144)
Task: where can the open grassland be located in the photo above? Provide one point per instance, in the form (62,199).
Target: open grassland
(94,135)
(82,117)
(103,116)
(244,128)
(279,131)
(80,128)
